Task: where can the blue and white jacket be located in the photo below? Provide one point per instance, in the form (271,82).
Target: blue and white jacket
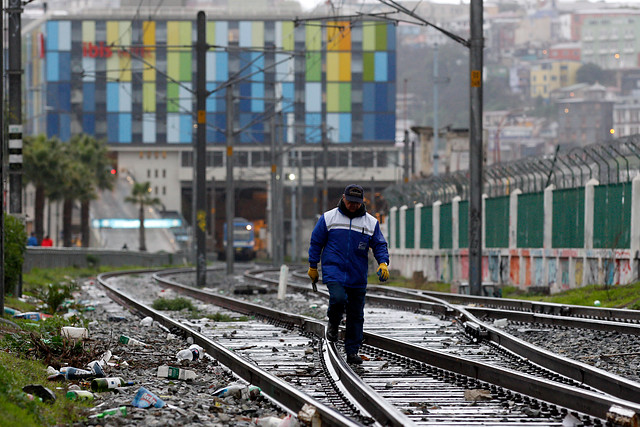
(344,244)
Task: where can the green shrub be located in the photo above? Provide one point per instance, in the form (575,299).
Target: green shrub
(175,304)
(15,241)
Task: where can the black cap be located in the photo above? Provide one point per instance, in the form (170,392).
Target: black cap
(354,193)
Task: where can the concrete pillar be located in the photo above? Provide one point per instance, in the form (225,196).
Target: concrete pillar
(589,197)
(436,224)
(392,227)
(417,220)
(403,227)
(548,217)
(635,224)
(513,218)
(455,222)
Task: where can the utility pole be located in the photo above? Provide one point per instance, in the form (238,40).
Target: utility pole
(2,162)
(275,238)
(406,156)
(325,160)
(15,114)
(296,256)
(436,130)
(201,152)
(475,149)
(230,190)
(280,189)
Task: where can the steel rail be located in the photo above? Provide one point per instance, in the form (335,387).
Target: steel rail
(595,404)
(520,305)
(367,397)
(276,388)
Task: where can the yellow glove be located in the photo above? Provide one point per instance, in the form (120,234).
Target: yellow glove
(383,272)
(313,274)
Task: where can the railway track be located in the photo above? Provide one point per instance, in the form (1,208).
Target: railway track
(428,366)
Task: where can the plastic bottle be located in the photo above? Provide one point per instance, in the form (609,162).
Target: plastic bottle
(238,390)
(106,384)
(165,371)
(74,333)
(122,410)
(75,373)
(131,341)
(79,395)
(192,353)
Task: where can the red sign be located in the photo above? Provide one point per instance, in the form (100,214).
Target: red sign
(101,50)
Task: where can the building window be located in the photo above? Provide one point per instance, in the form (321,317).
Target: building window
(187,159)
(164,190)
(148,173)
(156,173)
(164,173)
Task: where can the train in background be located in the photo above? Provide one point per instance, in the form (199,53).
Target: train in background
(244,240)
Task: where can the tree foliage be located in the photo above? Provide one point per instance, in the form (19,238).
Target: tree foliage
(15,240)
(592,73)
(141,196)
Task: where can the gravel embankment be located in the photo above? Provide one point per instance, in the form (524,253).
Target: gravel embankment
(188,403)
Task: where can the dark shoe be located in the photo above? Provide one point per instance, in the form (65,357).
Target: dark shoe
(332,333)
(354,359)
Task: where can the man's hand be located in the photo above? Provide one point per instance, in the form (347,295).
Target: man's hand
(313,274)
(383,272)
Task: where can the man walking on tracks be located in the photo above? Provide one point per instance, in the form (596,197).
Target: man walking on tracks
(343,237)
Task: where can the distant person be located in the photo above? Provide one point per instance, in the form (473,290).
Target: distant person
(341,239)
(47,241)
(32,240)
(125,247)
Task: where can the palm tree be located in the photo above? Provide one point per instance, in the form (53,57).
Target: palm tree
(94,154)
(140,195)
(43,160)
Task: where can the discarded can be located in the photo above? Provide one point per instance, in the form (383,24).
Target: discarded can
(175,373)
(79,395)
(145,399)
(74,333)
(131,341)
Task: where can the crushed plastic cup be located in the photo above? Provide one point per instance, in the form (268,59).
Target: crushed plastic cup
(145,399)
(194,352)
(74,333)
(147,321)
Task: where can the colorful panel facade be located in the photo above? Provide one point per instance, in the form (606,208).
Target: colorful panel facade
(132,82)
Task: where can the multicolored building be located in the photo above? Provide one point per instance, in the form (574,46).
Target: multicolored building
(132,83)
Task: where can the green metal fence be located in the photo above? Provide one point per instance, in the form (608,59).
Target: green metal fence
(612,216)
(497,224)
(530,220)
(426,226)
(463,224)
(410,225)
(568,218)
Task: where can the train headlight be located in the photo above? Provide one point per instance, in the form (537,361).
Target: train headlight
(248,227)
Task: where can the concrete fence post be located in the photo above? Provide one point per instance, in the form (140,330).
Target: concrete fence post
(513,218)
(403,227)
(436,224)
(392,227)
(589,197)
(548,217)
(417,220)
(455,222)
(635,225)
